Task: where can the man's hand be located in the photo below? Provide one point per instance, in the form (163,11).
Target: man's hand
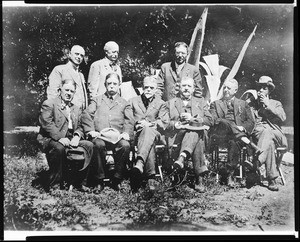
(185,117)
(64,141)
(241,128)
(93,134)
(178,125)
(125,136)
(75,141)
(263,99)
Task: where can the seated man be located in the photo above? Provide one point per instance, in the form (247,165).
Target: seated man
(109,110)
(233,122)
(151,118)
(60,128)
(269,115)
(183,110)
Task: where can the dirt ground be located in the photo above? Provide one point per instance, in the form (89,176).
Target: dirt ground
(239,209)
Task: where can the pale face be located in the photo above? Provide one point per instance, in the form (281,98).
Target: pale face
(112,85)
(112,53)
(76,55)
(149,88)
(229,90)
(67,92)
(187,88)
(180,54)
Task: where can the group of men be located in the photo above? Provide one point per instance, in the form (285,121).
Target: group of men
(170,110)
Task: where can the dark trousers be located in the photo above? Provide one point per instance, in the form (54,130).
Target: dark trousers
(228,135)
(56,158)
(193,143)
(146,141)
(121,155)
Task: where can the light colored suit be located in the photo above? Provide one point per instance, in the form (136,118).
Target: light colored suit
(268,134)
(148,137)
(97,74)
(168,80)
(67,71)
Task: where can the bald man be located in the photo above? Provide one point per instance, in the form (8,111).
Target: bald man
(234,122)
(100,68)
(70,71)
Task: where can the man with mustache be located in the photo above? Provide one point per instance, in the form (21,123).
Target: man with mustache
(70,71)
(172,72)
(233,123)
(100,68)
(109,110)
(269,115)
(151,118)
(184,110)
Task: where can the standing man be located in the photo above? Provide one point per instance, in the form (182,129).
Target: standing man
(185,110)
(233,122)
(151,118)
(112,113)
(70,71)
(60,128)
(269,115)
(99,69)
(172,72)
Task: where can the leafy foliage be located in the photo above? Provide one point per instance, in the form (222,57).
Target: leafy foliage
(35,39)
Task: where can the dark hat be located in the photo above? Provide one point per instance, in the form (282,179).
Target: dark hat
(266,80)
(77,154)
(196,124)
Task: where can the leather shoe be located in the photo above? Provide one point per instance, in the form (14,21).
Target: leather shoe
(199,187)
(230,180)
(272,186)
(152,184)
(135,179)
(115,184)
(99,188)
(179,164)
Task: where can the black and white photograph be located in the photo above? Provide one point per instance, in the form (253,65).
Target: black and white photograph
(149,119)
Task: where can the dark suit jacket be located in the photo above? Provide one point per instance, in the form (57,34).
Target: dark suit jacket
(242,113)
(67,71)
(54,121)
(106,114)
(157,111)
(199,110)
(167,79)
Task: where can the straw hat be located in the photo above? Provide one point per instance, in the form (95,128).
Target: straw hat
(110,135)
(266,80)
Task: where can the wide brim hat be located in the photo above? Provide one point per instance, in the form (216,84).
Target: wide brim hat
(266,80)
(253,92)
(111,135)
(195,125)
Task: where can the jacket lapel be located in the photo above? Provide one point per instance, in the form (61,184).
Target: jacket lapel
(58,106)
(223,107)
(178,105)
(236,107)
(73,74)
(173,71)
(141,105)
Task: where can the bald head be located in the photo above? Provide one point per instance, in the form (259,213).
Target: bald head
(78,48)
(76,55)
